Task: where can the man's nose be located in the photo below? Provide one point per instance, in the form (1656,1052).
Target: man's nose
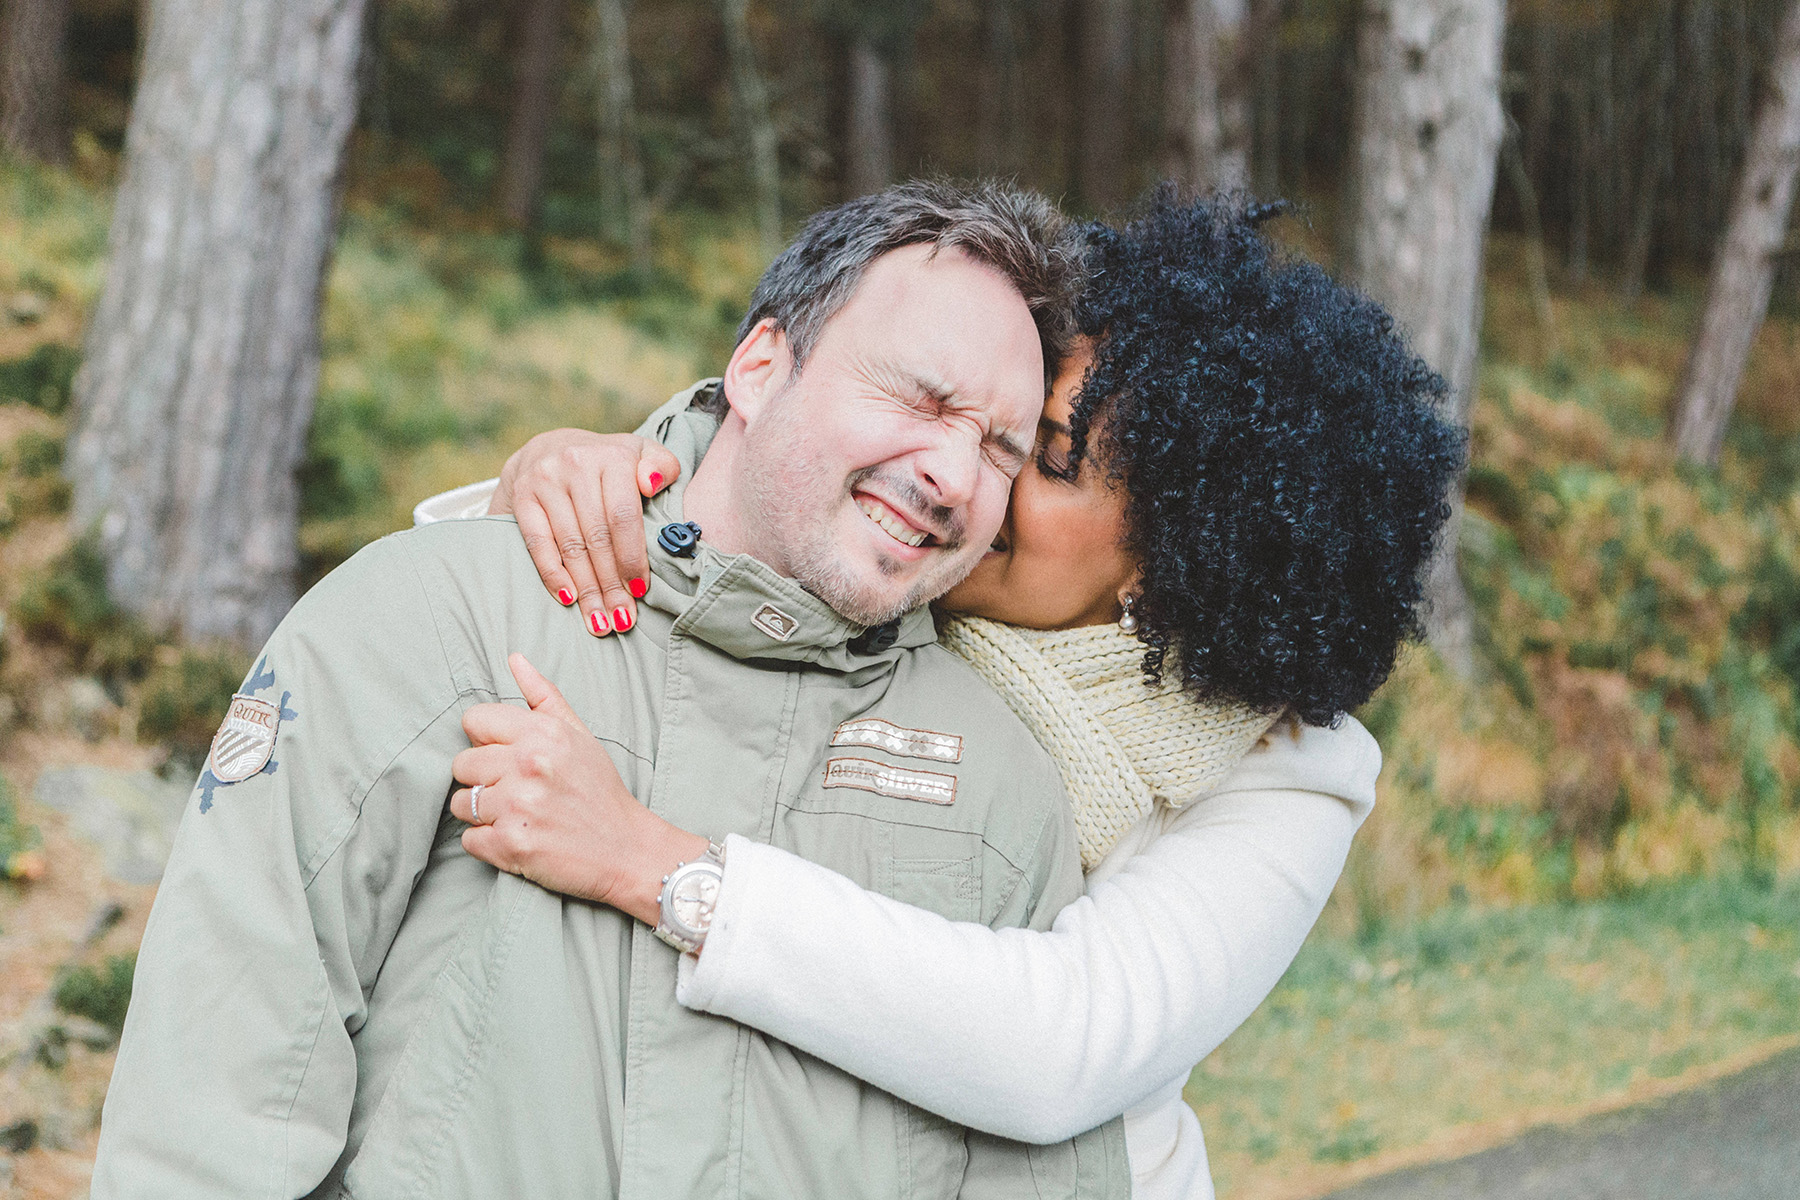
(951,467)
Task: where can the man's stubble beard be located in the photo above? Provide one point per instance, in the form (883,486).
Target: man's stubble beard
(792,498)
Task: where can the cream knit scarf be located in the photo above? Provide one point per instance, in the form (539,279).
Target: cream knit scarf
(1122,746)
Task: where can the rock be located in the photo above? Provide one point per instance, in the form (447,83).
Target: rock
(90,1033)
(58,1130)
(129,815)
(80,704)
(27,308)
(91,711)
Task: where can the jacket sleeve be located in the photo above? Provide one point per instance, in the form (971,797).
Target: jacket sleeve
(236,1072)
(1038,1036)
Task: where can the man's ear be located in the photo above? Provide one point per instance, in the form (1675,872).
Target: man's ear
(759,368)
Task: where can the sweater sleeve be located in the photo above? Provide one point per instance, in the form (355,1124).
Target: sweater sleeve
(1040,1035)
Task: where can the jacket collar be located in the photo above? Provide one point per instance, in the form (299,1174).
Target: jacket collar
(738,603)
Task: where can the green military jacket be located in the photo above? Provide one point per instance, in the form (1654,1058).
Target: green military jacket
(333,999)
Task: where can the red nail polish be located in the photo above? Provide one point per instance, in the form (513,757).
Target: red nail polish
(565,596)
(597,623)
(637,588)
(621,619)
(655,480)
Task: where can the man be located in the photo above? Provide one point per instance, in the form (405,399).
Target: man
(334,999)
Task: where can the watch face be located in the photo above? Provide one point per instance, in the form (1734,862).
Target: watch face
(691,902)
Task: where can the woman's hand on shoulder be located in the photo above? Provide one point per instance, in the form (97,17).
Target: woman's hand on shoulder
(577,496)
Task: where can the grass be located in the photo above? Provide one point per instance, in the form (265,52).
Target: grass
(1466,1018)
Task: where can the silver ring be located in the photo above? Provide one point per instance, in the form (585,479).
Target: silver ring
(475,804)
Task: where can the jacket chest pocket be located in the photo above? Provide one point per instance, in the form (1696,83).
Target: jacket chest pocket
(937,869)
(918,851)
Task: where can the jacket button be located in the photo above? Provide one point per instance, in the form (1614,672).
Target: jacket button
(679,538)
(877,639)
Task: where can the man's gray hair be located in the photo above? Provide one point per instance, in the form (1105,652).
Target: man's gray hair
(1016,232)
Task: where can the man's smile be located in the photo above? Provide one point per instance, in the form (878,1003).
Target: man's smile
(891,522)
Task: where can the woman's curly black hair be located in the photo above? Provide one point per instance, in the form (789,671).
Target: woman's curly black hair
(1285,466)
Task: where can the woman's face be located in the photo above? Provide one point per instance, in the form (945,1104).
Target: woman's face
(1059,561)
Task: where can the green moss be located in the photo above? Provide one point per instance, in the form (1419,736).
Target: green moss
(67,604)
(100,994)
(182,702)
(43,378)
(16,837)
(35,454)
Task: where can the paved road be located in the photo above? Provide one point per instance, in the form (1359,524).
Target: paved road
(1733,1139)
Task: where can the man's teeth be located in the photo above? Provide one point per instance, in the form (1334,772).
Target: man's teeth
(900,531)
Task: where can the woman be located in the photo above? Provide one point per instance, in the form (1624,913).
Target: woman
(1240,476)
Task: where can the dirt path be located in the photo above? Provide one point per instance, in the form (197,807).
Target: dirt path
(1736,1138)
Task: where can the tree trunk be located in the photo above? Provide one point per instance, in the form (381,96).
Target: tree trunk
(621,162)
(752,99)
(534,100)
(1536,272)
(1428,129)
(203,353)
(1541,82)
(1604,237)
(34,37)
(1265,140)
(1581,204)
(869,165)
(1737,294)
(1105,64)
(1701,204)
(999,124)
(1654,155)
(1208,108)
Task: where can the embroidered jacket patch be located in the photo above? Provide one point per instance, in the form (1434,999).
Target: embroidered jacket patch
(244,742)
(907,743)
(867,775)
(774,622)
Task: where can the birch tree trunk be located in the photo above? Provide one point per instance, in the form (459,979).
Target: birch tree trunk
(869,164)
(1104,102)
(1428,129)
(534,100)
(1208,105)
(621,162)
(34,38)
(1737,294)
(203,353)
(752,100)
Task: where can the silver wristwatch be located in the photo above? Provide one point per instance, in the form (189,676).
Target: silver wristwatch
(688,895)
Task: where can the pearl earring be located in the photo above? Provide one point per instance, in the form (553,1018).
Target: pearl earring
(1128,622)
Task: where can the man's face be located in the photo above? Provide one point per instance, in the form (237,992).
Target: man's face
(878,474)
